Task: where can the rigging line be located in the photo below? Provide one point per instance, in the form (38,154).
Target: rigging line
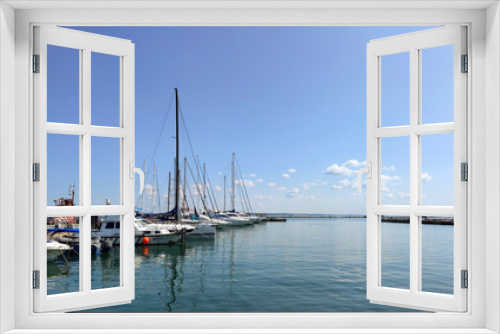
(243,183)
(159,194)
(243,206)
(158,142)
(213,194)
(161,132)
(184,125)
(208,191)
(197,187)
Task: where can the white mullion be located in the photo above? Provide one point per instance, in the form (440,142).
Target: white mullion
(127,251)
(123,185)
(98,210)
(433,129)
(398,210)
(103,131)
(86,167)
(395,131)
(414,170)
(373,272)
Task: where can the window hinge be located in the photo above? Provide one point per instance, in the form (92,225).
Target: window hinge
(465,279)
(36,172)
(464,172)
(36,279)
(36,63)
(465,64)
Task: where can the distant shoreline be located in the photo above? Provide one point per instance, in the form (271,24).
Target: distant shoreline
(387,219)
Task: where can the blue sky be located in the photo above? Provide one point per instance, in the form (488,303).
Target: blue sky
(289,101)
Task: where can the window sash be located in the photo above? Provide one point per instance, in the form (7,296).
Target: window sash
(87,43)
(413,43)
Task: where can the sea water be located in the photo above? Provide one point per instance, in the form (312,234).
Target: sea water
(302,265)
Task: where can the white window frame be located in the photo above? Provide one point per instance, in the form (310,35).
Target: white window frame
(483,21)
(86,44)
(414,43)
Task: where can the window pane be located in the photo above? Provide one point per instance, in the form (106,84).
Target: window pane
(105,171)
(437,254)
(63,85)
(105,250)
(437,169)
(437,84)
(63,170)
(63,259)
(105,90)
(395,90)
(395,171)
(395,244)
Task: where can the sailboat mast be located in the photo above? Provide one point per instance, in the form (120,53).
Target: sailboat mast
(154,193)
(168,195)
(142,196)
(204,184)
(177,171)
(224,209)
(233,185)
(184,194)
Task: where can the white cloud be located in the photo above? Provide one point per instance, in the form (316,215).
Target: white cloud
(259,196)
(426,177)
(285,176)
(345,184)
(218,188)
(404,195)
(259,181)
(149,189)
(305,186)
(345,168)
(385,189)
(291,171)
(335,169)
(292,193)
(271,184)
(246,183)
(281,189)
(253,175)
(390,168)
(353,163)
(389,178)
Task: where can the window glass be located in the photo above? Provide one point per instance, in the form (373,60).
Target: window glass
(63,170)
(437,84)
(63,255)
(63,85)
(395,171)
(395,92)
(437,169)
(105,90)
(395,244)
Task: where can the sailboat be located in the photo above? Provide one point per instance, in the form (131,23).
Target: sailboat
(173,220)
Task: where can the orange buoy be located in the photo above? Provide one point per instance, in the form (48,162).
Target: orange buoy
(145,240)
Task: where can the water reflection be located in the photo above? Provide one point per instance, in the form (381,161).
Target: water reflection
(316,265)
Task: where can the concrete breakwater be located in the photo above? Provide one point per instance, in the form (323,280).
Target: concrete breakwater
(387,219)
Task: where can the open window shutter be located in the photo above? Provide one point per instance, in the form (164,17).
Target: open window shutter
(414,43)
(83,294)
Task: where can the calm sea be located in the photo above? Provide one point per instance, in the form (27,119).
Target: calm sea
(302,265)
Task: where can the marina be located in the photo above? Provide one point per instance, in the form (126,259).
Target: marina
(257,268)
